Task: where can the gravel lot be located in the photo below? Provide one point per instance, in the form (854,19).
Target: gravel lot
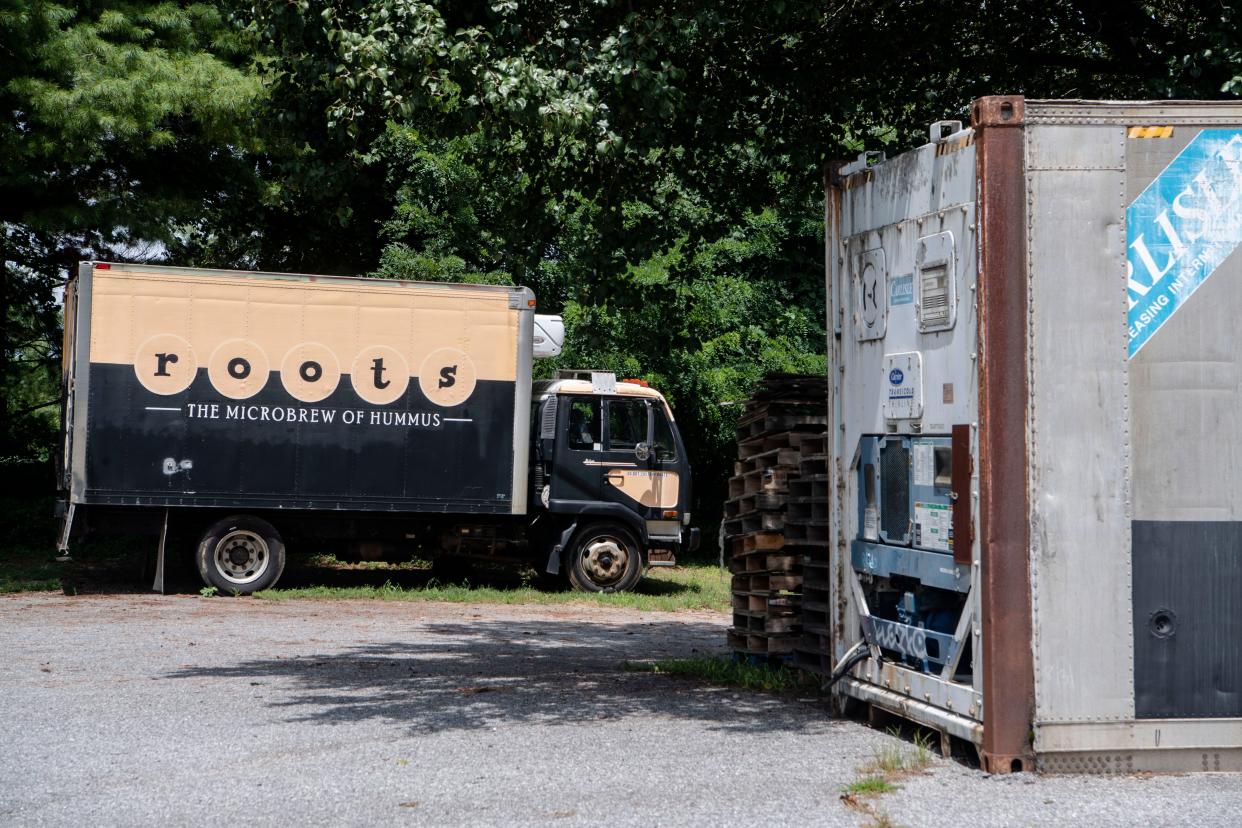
(136,709)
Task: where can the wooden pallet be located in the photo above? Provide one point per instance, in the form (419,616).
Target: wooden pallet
(785,438)
(802,387)
(781,437)
(815,464)
(767,582)
(773,603)
(809,487)
(762,644)
(806,510)
(761,480)
(807,534)
(783,561)
(762,622)
(758,541)
(809,659)
(810,444)
(755,502)
(787,458)
(751,522)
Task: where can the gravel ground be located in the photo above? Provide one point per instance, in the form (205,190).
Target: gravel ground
(137,710)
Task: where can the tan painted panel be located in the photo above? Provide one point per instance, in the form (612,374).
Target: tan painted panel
(653,489)
(278,315)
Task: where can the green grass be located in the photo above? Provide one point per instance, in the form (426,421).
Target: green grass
(26,545)
(27,550)
(680,588)
(27,569)
(870,786)
(897,760)
(329,560)
(724,671)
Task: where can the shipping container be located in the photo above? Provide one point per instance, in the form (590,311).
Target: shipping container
(1037,465)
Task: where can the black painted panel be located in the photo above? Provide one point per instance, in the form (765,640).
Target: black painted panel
(403,456)
(1187,578)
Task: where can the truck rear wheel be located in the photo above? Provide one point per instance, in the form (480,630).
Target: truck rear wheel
(605,558)
(240,554)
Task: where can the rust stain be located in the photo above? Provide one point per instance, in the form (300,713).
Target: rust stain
(1004,496)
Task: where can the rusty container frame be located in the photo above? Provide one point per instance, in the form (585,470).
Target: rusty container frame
(1013,729)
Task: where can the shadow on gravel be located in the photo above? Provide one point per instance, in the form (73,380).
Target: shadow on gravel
(476,675)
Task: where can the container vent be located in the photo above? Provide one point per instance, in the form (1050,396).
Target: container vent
(937,292)
(934,311)
(895,492)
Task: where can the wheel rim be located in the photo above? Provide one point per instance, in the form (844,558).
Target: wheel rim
(241,557)
(605,560)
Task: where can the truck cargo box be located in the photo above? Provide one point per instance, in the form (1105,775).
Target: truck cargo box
(190,387)
(1037,470)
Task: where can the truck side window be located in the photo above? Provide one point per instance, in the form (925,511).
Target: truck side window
(627,424)
(584,430)
(663,448)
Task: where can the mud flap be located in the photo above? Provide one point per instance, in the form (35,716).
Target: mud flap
(158,584)
(554,558)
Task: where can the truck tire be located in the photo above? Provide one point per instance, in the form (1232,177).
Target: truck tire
(240,554)
(604,557)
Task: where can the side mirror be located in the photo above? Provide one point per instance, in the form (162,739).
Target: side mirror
(642,451)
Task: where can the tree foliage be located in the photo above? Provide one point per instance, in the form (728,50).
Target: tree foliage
(117,116)
(655,171)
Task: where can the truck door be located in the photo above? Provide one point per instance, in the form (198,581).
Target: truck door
(641,463)
(578,472)
(619,450)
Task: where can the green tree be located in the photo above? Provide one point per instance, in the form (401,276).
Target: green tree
(119,117)
(655,172)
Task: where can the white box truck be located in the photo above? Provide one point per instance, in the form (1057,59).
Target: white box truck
(255,411)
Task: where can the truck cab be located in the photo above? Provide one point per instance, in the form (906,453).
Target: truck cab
(611,474)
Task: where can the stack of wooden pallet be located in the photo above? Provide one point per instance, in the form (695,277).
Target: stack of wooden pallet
(808,511)
(780,433)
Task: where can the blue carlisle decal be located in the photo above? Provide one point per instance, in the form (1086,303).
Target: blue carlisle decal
(901,290)
(1180,229)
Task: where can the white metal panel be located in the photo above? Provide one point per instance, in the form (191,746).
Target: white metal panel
(1187,379)
(890,207)
(1133,113)
(1079,438)
(1071,148)
(948,366)
(1188,406)
(896,189)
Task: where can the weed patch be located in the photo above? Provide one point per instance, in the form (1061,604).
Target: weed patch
(725,672)
(888,765)
(894,761)
(667,590)
(870,786)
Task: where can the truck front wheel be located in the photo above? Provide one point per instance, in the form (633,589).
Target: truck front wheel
(605,558)
(240,554)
